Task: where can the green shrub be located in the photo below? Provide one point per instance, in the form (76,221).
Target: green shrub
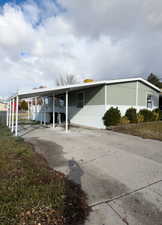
(148,115)
(140,118)
(124,120)
(112,117)
(158,114)
(131,114)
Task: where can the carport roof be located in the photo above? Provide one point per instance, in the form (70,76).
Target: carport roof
(63,89)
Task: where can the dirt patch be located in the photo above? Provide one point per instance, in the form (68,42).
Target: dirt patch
(151,130)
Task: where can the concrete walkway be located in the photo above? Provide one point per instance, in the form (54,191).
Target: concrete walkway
(121,174)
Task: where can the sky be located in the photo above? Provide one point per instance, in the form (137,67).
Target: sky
(102,40)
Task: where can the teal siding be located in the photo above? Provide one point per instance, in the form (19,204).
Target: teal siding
(121,94)
(117,94)
(143,91)
(92,95)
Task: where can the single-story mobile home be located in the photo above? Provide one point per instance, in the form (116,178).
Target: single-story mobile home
(85,104)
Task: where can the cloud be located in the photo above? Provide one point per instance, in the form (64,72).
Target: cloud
(116,18)
(86,38)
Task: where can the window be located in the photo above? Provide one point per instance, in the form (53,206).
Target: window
(149,101)
(80,100)
(59,101)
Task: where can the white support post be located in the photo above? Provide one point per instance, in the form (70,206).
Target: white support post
(53,110)
(31,109)
(28,110)
(41,111)
(35,108)
(17,112)
(7,115)
(66,111)
(44,111)
(59,118)
(10,114)
(13,114)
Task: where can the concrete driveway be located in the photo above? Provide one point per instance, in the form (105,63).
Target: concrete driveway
(121,174)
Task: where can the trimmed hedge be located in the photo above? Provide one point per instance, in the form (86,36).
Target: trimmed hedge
(140,118)
(131,114)
(112,117)
(148,115)
(124,120)
(159,112)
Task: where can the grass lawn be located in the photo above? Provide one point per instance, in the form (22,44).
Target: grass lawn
(152,130)
(33,194)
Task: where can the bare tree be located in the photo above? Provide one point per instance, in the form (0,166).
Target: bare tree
(66,79)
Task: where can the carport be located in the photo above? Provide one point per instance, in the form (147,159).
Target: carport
(13,106)
(13,102)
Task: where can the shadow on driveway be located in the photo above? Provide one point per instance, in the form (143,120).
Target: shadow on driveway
(75,172)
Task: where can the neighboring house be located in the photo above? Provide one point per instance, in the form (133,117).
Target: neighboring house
(3,105)
(3,110)
(88,102)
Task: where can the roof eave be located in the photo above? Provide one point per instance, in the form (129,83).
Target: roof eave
(62,89)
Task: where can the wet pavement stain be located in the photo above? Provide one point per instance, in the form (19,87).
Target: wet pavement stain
(52,152)
(145,212)
(101,187)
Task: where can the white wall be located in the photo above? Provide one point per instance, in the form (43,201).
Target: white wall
(89,115)
(123,108)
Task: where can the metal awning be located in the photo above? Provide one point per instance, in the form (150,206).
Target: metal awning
(63,89)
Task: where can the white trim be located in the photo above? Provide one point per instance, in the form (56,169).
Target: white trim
(13,112)
(17,112)
(28,111)
(36,108)
(41,111)
(53,111)
(44,106)
(77,86)
(7,115)
(66,111)
(31,107)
